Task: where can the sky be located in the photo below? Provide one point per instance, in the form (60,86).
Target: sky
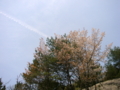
(24,22)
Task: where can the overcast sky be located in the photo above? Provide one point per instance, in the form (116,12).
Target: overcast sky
(24,22)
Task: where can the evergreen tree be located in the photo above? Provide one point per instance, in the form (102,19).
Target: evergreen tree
(43,71)
(113,65)
(2,87)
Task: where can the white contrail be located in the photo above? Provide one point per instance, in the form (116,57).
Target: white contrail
(24,24)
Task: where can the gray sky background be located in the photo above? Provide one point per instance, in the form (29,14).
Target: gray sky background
(24,22)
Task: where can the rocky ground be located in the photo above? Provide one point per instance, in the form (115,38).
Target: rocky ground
(108,85)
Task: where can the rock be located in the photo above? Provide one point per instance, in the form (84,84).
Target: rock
(107,85)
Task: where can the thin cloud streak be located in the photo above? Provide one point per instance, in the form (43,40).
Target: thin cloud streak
(24,24)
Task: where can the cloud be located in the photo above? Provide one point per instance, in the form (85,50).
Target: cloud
(24,24)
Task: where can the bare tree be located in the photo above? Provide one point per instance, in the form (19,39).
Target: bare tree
(82,53)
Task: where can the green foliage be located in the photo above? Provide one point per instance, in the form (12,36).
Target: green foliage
(19,86)
(43,72)
(114,57)
(2,87)
(113,65)
(110,71)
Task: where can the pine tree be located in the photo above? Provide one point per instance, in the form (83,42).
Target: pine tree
(2,87)
(42,72)
(113,65)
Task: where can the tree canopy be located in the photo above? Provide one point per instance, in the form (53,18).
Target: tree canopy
(65,62)
(113,65)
